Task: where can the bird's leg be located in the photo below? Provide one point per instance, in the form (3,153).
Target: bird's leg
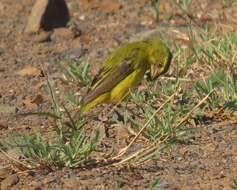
(104,118)
(118,112)
(121,117)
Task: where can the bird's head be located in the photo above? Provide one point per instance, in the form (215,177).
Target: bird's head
(159,57)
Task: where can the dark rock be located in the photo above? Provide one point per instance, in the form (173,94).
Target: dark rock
(47,15)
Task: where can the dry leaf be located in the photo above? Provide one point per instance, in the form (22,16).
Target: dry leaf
(29,71)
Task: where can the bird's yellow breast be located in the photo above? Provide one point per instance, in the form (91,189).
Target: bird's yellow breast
(122,89)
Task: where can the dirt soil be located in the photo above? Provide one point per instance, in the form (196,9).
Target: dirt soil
(207,160)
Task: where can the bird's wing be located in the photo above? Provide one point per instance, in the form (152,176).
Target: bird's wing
(111,75)
(114,63)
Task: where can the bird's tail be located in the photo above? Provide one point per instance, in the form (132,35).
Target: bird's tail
(104,98)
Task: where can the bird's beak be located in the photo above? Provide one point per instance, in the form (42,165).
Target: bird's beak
(154,72)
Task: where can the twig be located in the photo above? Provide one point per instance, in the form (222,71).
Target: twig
(150,148)
(174,79)
(223,123)
(191,111)
(15,160)
(141,153)
(124,150)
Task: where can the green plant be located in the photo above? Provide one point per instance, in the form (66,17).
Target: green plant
(80,72)
(155,4)
(155,184)
(225,90)
(234,186)
(69,145)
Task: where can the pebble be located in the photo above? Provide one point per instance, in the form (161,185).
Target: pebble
(9,182)
(60,34)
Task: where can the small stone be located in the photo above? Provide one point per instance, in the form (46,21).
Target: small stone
(42,37)
(9,182)
(36,185)
(109,6)
(62,34)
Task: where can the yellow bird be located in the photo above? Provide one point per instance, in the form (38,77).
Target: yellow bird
(125,69)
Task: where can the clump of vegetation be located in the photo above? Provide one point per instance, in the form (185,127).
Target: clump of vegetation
(69,145)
